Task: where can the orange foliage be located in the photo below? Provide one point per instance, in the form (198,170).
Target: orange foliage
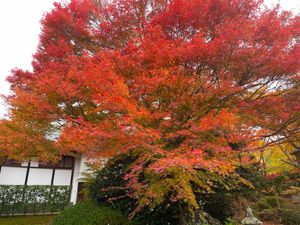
(188,84)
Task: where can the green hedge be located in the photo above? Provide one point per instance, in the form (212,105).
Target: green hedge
(269,202)
(87,213)
(290,217)
(22,199)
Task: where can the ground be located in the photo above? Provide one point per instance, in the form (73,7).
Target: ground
(26,220)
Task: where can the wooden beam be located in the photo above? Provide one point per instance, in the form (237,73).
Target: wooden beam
(53,175)
(72,173)
(27,172)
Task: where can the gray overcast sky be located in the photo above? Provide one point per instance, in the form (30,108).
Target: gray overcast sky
(20,28)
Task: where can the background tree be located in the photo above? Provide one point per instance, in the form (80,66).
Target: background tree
(186,85)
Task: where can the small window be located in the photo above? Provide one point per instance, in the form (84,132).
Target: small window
(46,165)
(24,164)
(10,162)
(34,163)
(68,162)
(65,163)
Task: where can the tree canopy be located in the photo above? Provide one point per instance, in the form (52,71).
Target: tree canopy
(185,85)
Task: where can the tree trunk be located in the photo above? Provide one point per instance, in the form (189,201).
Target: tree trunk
(181,215)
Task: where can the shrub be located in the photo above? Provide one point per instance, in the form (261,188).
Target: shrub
(261,205)
(108,185)
(290,217)
(269,202)
(219,205)
(87,213)
(231,221)
(274,200)
(112,176)
(269,214)
(16,199)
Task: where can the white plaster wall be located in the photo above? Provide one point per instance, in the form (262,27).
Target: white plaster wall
(75,180)
(83,167)
(39,176)
(62,177)
(80,168)
(12,175)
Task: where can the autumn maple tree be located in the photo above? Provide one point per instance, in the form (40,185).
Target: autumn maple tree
(185,85)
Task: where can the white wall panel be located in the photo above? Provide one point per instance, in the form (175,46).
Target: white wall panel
(62,177)
(12,175)
(39,176)
(75,180)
